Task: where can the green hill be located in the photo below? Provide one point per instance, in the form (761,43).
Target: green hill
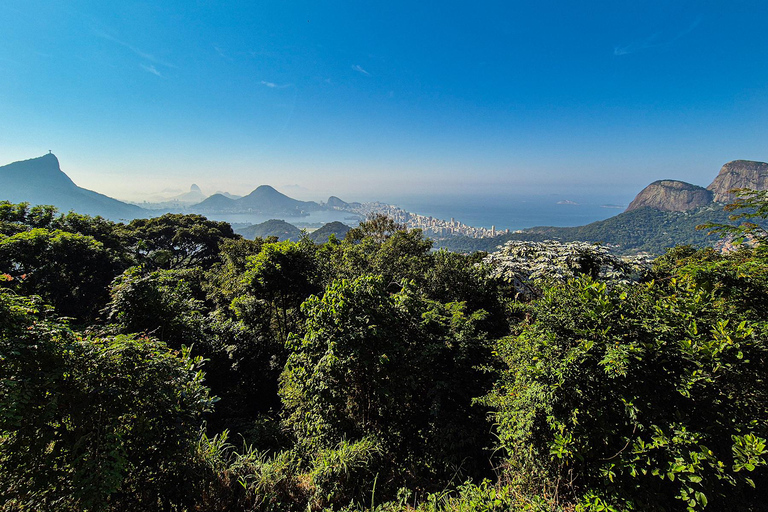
(273,227)
(320,236)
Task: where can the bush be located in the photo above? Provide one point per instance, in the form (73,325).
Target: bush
(92,423)
(645,397)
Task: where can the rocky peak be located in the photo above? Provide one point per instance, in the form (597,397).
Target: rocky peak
(35,173)
(739,174)
(335,202)
(671,196)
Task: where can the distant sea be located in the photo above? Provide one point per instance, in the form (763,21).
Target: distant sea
(517,212)
(503,212)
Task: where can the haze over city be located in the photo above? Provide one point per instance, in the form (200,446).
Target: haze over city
(372,102)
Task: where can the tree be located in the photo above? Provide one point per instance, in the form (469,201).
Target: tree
(90,423)
(278,279)
(396,368)
(20,217)
(640,397)
(379,246)
(751,204)
(530,266)
(165,303)
(377,226)
(69,270)
(174,241)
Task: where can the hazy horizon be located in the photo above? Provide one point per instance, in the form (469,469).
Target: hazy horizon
(378,102)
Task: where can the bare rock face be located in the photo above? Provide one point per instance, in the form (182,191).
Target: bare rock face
(739,174)
(671,196)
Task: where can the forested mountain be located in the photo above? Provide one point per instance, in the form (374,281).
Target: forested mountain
(337,229)
(41,181)
(277,228)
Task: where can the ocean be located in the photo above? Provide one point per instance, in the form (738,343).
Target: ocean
(503,212)
(517,212)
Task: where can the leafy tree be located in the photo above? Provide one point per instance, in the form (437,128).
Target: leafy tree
(377,227)
(164,303)
(641,397)
(453,277)
(111,234)
(378,246)
(530,266)
(20,217)
(68,270)
(174,241)
(278,279)
(395,368)
(92,423)
(750,204)
(224,280)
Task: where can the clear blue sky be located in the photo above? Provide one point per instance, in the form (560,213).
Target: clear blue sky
(366,101)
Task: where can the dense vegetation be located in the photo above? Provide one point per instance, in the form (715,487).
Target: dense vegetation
(170,364)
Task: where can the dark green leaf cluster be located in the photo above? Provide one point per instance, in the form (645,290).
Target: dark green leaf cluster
(91,423)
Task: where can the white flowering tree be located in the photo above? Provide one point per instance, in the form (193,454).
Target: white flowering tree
(528,265)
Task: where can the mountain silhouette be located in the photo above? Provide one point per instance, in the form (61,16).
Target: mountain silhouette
(41,181)
(265,200)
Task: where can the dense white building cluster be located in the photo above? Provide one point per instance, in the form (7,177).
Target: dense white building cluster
(428,224)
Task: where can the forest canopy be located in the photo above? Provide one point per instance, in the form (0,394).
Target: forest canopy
(170,364)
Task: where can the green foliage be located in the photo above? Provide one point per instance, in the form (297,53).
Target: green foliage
(377,247)
(163,303)
(279,278)
(640,395)
(750,204)
(15,218)
(91,423)
(69,270)
(354,368)
(223,281)
(253,480)
(174,241)
(397,368)
(378,227)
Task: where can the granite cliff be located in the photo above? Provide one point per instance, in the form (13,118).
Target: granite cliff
(671,196)
(739,174)
(679,196)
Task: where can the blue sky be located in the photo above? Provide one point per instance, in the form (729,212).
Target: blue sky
(373,101)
